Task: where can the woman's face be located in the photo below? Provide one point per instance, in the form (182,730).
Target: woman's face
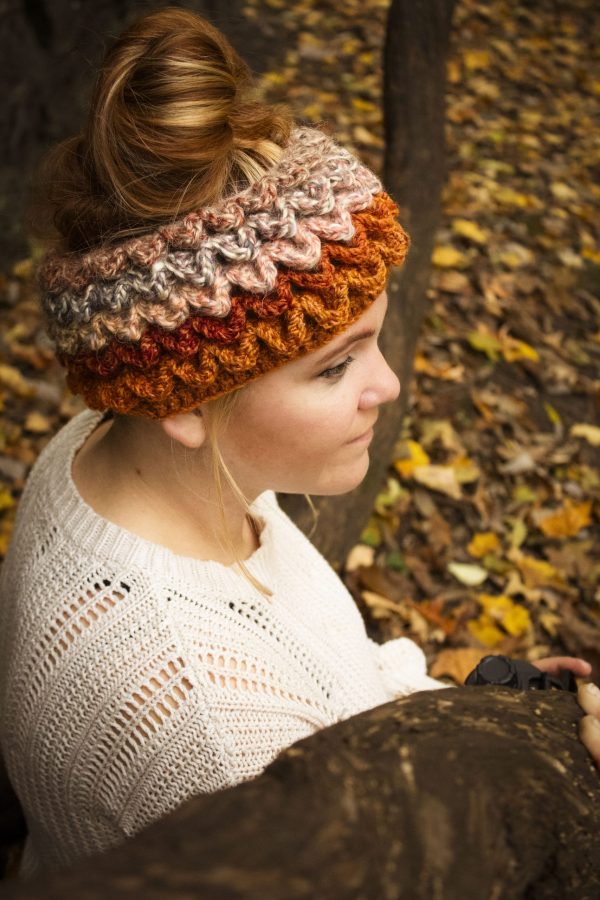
(306,427)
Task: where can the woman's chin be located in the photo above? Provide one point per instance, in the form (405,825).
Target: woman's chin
(344,481)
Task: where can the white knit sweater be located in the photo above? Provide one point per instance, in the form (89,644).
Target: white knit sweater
(132,678)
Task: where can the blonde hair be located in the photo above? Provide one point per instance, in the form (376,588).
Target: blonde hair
(220,411)
(174,124)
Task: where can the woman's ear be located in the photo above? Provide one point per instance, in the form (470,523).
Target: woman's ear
(187,428)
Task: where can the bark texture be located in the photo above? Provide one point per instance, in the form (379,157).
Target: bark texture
(466,793)
(417,40)
(49,54)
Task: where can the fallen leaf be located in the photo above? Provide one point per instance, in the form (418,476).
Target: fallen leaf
(591,433)
(466,470)
(360,555)
(6,499)
(441,430)
(452,282)
(12,379)
(37,423)
(456,663)
(483,542)
(467,573)
(445,371)
(438,478)
(447,257)
(536,572)
(410,455)
(476,59)
(470,230)
(484,630)
(485,342)
(513,350)
(371,533)
(566,521)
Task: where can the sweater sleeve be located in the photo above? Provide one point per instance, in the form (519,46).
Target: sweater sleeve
(403,667)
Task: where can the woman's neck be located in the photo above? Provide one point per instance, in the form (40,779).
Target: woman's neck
(141,479)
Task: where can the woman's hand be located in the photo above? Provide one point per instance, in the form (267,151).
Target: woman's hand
(587,694)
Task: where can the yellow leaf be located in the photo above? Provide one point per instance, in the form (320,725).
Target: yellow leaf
(471,230)
(438,478)
(515,256)
(523,493)
(518,533)
(516,620)
(485,342)
(552,414)
(509,197)
(476,59)
(6,499)
(37,423)
(364,105)
(513,617)
(6,529)
(592,255)
(591,433)
(12,379)
(411,456)
(465,469)
(275,78)
(485,631)
(513,349)
(23,268)
(453,71)
(371,533)
(468,574)
(389,497)
(447,257)
(568,520)
(562,191)
(483,542)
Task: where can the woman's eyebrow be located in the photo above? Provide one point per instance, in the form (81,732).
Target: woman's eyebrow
(349,342)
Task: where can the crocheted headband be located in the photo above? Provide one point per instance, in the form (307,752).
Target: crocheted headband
(157,324)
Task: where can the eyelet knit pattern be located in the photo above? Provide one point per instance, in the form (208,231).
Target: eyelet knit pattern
(156,325)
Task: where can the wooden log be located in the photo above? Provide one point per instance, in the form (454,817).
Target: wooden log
(465,793)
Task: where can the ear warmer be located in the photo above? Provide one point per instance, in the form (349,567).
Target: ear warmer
(155,325)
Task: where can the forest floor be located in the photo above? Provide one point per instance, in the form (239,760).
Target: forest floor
(486,536)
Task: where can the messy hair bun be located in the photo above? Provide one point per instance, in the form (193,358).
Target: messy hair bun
(174,125)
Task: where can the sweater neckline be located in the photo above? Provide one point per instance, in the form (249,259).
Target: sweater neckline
(98,536)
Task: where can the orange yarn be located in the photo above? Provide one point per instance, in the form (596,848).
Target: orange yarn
(169,372)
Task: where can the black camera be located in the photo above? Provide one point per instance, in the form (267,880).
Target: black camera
(518,674)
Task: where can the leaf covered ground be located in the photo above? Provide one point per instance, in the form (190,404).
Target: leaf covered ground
(486,536)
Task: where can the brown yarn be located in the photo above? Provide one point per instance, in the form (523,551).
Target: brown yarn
(172,372)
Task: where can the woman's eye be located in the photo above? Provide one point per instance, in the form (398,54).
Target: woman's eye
(337,371)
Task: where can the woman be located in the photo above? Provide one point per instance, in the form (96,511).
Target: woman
(217,290)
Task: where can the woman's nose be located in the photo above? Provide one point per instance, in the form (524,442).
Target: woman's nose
(383,387)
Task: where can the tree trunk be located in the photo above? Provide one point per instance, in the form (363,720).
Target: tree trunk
(465,793)
(416,46)
(49,53)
